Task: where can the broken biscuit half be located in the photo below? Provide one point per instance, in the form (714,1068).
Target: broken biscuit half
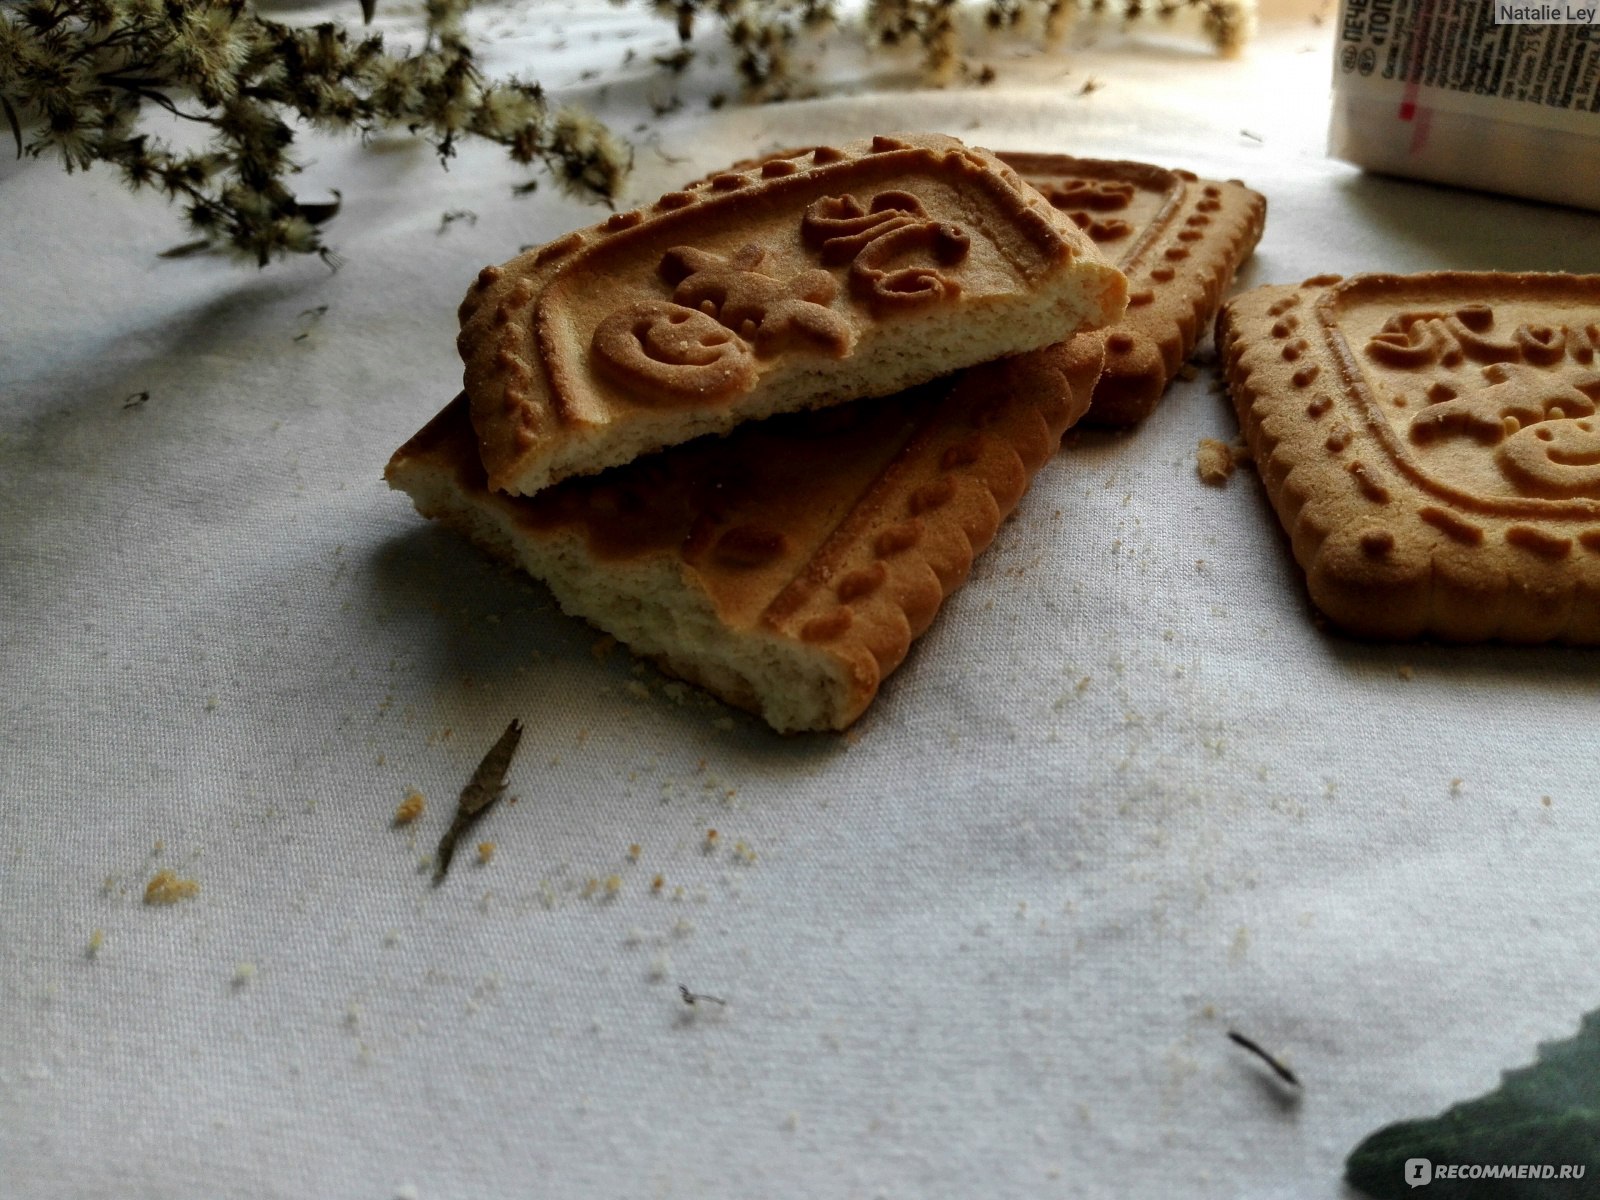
(788,567)
(795,283)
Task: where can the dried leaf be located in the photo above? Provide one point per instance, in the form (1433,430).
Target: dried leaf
(1545,1117)
(325,211)
(486,786)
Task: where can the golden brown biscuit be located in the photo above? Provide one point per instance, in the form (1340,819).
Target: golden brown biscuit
(1431,444)
(1179,239)
(797,283)
(787,567)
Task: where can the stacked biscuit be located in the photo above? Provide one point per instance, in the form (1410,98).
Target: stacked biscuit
(891,337)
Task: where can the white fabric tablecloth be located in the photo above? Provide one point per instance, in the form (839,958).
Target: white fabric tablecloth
(1123,797)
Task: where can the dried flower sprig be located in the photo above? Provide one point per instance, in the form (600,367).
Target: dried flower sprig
(764,32)
(76,75)
(934,25)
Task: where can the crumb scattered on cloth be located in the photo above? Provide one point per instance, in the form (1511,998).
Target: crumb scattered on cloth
(1215,460)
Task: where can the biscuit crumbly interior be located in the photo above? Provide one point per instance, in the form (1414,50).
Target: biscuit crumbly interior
(650,605)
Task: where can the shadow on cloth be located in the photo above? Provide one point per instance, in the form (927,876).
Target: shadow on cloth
(1462,230)
(473,620)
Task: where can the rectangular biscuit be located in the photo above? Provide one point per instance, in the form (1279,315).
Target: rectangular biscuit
(796,283)
(1178,238)
(1431,445)
(787,567)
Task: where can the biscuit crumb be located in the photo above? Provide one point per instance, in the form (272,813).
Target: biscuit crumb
(634,852)
(1188,371)
(590,887)
(658,883)
(485,853)
(1407,673)
(743,853)
(410,808)
(711,840)
(243,974)
(637,690)
(1456,785)
(166,888)
(613,885)
(1214,462)
(602,649)
(1546,801)
(96,940)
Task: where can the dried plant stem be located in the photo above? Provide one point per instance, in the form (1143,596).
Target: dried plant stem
(76,77)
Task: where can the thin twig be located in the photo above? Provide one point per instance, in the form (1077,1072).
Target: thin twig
(1278,1069)
(16,127)
(692,998)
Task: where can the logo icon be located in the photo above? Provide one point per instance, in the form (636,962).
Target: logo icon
(1418,1172)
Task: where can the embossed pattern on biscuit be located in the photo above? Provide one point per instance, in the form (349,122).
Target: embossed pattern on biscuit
(829,275)
(1179,239)
(1432,445)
